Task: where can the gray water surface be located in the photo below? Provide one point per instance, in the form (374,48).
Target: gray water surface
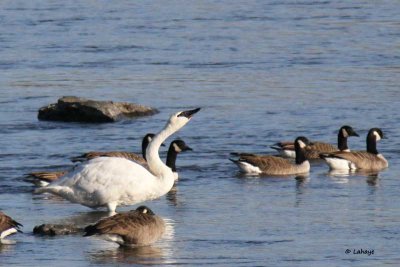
(263,71)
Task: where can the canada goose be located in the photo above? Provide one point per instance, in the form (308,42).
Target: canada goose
(285,149)
(138,227)
(313,150)
(271,165)
(44,178)
(119,154)
(364,160)
(8,227)
(177,146)
(109,182)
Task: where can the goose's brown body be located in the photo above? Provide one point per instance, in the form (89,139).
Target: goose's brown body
(135,228)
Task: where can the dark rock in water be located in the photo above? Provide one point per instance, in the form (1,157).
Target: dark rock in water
(75,109)
(56,229)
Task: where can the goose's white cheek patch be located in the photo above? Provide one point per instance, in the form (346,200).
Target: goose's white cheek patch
(344,132)
(177,149)
(377,136)
(301,144)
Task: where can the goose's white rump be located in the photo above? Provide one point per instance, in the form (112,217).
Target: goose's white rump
(109,182)
(105,180)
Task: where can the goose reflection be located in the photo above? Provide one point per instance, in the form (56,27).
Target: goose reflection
(342,176)
(301,182)
(129,255)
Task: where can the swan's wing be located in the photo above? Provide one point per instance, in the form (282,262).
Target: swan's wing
(104,180)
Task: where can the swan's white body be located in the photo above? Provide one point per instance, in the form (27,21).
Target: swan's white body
(109,182)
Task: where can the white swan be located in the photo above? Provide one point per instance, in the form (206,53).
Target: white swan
(109,182)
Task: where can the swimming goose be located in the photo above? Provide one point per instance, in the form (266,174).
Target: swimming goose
(109,181)
(120,154)
(313,150)
(271,165)
(138,227)
(364,160)
(177,146)
(285,149)
(8,227)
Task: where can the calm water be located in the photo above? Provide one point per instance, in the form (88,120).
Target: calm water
(263,71)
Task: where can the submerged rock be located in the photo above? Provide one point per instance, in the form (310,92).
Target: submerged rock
(56,229)
(75,109)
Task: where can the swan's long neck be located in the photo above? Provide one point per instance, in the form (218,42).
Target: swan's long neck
(156,166)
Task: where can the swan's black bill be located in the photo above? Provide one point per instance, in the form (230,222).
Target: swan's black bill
(189,113)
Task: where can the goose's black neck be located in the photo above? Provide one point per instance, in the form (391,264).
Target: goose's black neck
(300,156)
(145,144)
(371,144)
(171,157)
(342,141)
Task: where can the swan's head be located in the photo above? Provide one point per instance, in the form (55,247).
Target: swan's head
(179,119)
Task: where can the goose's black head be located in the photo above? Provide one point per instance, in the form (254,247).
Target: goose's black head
(348,131)
(148,137)
(301,142)
(145,210)
(375,133)
(179,146)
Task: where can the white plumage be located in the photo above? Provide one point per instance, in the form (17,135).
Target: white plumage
(109,182)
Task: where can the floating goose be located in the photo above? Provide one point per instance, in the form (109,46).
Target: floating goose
(44,178)
(109,182)
(138,227)
(119,154)
(177,146)
(8,227)
(364,160)
(271,165)
(313,150)
(285,149)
